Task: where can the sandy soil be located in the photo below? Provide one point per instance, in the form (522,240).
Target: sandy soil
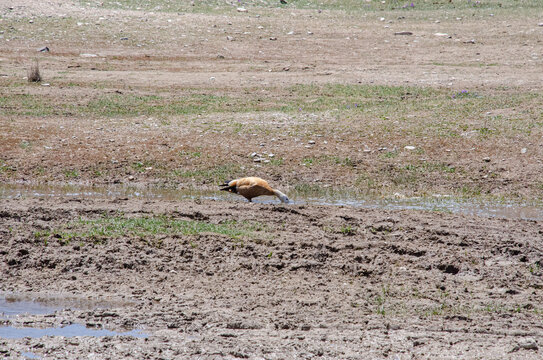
(397,285)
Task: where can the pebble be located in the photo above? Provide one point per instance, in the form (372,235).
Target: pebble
(229,38)
(43,49)
(409,147)
(311,142)
(88,55)
(523,150)
(526,344)
(442,35)
(131,178)
(486,159)
(273,38)
(403,33)
(244,10)
(540,24)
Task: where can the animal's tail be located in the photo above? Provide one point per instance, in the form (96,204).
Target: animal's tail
(226,186)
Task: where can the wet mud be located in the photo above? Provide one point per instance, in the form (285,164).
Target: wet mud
(290,281)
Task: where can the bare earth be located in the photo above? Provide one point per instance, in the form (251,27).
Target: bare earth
(397,285)
(297,281)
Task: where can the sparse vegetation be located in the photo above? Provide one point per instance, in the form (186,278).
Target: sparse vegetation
(111,227)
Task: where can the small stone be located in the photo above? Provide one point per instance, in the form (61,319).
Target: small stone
(131,178)
(273,38)
(243,10)
(523,150)
(43,49)
(540,24)
(403,33)
(311,142)
(271,155)
(220,56)
(229,38)
(257,160)
(124,38)
(486,159)
(442,35)
(309,33)
(382,19)
(528,344)
(409,147)
(290,33)
(45,84)
(253,154)
(88,55)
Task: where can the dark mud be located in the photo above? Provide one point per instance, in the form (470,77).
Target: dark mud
(303,282)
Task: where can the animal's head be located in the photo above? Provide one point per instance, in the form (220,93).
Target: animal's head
(284,198)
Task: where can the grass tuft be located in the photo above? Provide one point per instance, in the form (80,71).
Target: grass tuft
(33,73)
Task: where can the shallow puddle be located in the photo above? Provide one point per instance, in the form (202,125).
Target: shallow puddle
(16,305)
(10,332)
(10,307)
(507,210)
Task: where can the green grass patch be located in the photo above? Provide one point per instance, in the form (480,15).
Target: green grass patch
(111,227)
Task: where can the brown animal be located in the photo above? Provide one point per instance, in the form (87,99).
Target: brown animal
(251,187)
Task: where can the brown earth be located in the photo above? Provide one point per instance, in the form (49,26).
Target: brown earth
(64,133)
(398,285)
(304,281)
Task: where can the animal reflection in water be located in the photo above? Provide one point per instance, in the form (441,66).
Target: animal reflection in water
(251,187)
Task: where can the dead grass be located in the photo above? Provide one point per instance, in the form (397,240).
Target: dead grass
(33,73)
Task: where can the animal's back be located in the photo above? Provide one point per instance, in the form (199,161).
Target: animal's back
(251,187)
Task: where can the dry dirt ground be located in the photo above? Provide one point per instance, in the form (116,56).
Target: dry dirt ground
(321,101)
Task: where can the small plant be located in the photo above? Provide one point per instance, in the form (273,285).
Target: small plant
(70,174)
(307,162)
(348,230)
(33,73)
(390,154)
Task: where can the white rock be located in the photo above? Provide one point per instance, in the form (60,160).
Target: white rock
(242,9)
(523,150)
(409,147)
(311,142)
(441,34)
(88,55)
(528,344)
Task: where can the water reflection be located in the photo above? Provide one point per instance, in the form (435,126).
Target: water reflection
(508,210)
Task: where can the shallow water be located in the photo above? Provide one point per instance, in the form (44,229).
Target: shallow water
(10,332)
(12,306)
(507,210)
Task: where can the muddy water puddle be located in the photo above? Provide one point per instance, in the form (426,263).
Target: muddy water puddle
(507,210)
(20,305)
